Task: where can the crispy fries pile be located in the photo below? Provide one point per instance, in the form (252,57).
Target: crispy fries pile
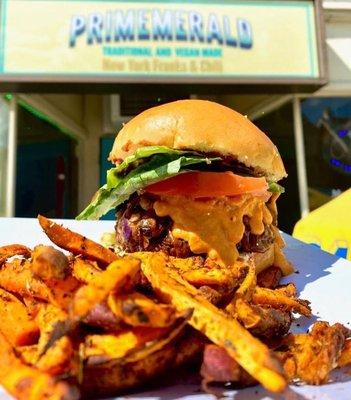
(89,323)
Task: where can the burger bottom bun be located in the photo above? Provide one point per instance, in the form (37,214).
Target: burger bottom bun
(264,260)
(117,376)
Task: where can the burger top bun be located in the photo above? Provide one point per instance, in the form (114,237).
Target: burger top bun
(202,126)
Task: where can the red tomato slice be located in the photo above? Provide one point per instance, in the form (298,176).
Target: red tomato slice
(209,184)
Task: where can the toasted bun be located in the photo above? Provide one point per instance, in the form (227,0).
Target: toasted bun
(202,126)
(264,260)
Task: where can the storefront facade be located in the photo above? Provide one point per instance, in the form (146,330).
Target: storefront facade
(327,115)
(114,59)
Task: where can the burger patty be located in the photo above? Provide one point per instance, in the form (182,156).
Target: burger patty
(140,229)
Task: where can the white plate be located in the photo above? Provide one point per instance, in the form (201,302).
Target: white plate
(323,279)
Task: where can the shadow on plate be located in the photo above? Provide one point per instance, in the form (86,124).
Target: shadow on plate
(310,262)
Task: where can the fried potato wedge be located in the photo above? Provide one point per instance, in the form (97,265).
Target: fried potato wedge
(64,290)
(211,277)
(198,273)
(101,348)
(85,270)
(118,274)
(279,300)
(49,263)
(56,361)
(17,277)
(27,383)
(287,290)
(310,357)
(261,321)
(246,289)
(114,377)
(13,250)
(165,337)
(136,309)
(187,264)
(76,243)
(138,341)
(101,316)
(345,356)
(122,273)
(221,329)
(211,294)
(32,305)
(16,324)
(245,313)
(29,354)
(51,267)
(48,318)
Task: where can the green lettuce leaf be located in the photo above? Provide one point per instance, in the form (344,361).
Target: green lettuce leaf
(114,175)
(120,187)
(146,166)
(274,187)
(145,152)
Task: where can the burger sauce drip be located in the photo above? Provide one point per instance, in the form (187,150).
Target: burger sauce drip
(272,207)
(214,226)
(279,257)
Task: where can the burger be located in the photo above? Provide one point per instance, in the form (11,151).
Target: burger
(193,178)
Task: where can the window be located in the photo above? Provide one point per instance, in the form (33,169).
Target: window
(327,134)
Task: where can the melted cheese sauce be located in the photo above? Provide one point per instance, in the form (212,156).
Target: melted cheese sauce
(272,207)
(279,257)
(214,226)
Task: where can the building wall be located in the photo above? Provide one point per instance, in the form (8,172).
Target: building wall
(337,16)
(71,105)
(89,149)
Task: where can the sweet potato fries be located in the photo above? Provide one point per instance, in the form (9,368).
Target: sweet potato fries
(91,323)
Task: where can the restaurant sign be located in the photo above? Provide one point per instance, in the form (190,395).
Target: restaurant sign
(145,40)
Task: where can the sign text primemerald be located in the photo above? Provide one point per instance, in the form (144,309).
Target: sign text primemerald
(156,25)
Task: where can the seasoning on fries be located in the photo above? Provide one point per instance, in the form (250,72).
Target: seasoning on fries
(76,325)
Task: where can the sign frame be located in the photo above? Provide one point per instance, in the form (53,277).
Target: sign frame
(96,83)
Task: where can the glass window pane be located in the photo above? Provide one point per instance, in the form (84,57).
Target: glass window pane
(4,121)
(327,133)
